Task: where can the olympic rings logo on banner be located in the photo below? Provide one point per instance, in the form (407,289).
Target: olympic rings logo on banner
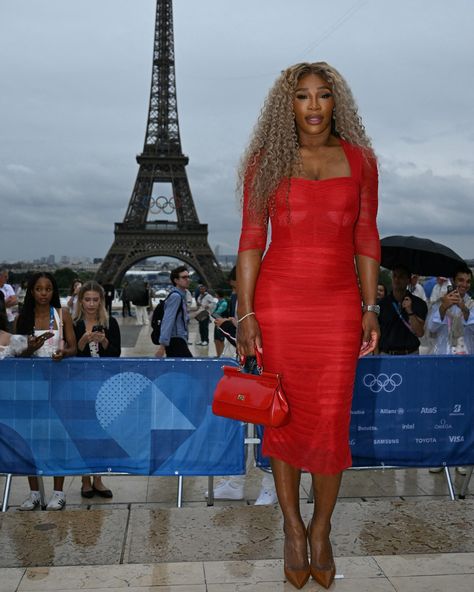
(382,382)
(162,204)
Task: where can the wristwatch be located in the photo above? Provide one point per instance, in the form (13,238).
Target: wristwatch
(371,308)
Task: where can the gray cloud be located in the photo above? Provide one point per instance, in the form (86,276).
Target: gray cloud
(75,83)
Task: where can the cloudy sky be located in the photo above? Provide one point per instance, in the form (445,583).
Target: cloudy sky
(75,80)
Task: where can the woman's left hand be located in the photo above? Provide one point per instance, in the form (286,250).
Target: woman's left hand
(58,355)
(370,333)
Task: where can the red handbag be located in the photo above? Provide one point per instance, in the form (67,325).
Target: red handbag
(253,398)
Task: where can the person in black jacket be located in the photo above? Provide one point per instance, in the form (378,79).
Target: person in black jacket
(98,336)
(3,313)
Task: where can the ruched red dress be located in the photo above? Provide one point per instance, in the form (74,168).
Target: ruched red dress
(308,305)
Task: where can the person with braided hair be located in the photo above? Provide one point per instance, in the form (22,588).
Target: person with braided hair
(310,171)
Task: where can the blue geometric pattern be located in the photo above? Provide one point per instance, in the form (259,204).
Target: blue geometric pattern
(137,416)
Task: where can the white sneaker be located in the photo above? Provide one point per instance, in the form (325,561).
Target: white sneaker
(31,503)
(226,489)
(266,497)
(461,470)
(57,501)
(436,469)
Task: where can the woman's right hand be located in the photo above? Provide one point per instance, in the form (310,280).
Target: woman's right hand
(249,337)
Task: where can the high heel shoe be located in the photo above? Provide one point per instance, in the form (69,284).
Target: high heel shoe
(323,575)
(297,577)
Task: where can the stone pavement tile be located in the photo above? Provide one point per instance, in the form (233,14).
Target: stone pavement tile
(228,572)
(185,588)
(10,578)
(392,528)
(61,538)
(427,565)
(346,585)
(244,532)
(245,572)
(223,532)
(454,583)
(116,577)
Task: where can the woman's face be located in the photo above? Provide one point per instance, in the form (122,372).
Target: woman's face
(43,291)
(313,105)
(91,303)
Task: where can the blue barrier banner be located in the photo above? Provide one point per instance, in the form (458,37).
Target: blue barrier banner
(411,411)
(138,416)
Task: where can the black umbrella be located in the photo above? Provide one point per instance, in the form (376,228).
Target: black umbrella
(421,255)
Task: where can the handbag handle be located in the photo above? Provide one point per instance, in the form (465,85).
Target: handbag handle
(259,358)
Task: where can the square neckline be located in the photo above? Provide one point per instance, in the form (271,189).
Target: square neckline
(345,148)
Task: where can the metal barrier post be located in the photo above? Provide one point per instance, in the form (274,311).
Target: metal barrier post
(180,492)
(6,491)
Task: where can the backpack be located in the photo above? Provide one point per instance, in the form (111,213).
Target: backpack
(158,315)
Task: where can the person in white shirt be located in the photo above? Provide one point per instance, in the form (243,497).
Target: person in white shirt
(206,305)
(451,324)
(416,288)
(452,317)
(10,297)
(439,289)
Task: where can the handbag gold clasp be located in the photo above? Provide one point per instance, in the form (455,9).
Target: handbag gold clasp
(240,397)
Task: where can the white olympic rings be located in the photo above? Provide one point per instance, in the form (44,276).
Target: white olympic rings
(382,382)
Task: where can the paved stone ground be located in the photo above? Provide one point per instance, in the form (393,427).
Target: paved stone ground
(394,530)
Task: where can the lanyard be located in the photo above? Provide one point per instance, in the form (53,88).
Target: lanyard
(397,310)
(51,318)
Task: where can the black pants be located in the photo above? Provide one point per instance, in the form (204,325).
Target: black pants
(126,308)
(178,348)
(204,330)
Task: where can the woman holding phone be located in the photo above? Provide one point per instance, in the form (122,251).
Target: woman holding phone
(98,336)
(51,336)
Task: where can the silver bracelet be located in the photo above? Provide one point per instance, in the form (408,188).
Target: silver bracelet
(245,316)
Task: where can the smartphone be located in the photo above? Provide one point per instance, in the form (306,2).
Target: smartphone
(450,289)
(46,336)
(98,329)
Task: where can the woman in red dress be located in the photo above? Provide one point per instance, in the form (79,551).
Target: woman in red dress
(310,172)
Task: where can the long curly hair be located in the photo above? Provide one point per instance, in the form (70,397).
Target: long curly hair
(273,150)
(26,319)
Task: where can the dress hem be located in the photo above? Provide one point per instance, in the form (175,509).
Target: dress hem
(307,469)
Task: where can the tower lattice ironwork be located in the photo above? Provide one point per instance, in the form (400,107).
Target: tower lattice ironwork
(161,187)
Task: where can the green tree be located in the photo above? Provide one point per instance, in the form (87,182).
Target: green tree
(64,278)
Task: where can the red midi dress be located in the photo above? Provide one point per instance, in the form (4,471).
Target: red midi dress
(308,305)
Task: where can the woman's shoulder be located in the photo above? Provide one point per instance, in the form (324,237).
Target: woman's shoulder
(113,323)
(357,150)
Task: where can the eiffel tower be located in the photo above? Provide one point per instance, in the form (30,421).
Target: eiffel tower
(162,187)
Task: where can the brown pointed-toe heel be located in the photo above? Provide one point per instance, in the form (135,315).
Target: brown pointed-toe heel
(297,577)
(324,577)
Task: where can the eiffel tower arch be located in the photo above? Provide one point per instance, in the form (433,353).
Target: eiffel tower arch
(161,187)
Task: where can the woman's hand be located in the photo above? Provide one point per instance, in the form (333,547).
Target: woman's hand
(370,333)
(35,343)
(249,337)
(58,355)
(98,336)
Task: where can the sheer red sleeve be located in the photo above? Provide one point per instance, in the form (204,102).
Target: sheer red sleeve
(366,235)
(254,227)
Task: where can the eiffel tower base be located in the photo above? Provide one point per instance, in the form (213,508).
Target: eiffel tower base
(132,245)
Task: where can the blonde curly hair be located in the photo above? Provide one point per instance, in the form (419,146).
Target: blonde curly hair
(273,150)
